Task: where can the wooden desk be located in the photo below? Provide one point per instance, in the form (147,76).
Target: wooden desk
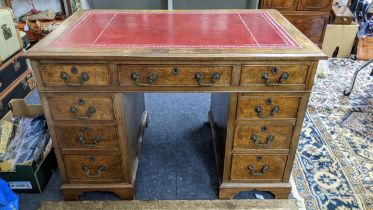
(93,70)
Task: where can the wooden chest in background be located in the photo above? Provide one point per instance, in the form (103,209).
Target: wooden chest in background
(309,16)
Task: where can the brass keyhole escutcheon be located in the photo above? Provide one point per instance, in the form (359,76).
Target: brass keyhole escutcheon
(268,101)
(80,101)
(259,158)
(74,70)
(274,70)
(175,71)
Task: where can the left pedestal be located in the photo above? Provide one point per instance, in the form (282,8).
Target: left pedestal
(97,139)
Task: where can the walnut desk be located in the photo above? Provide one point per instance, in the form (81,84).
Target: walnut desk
(94,69)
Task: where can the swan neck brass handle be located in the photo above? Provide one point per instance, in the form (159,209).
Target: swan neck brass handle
(214,78)
(100,170)
(264,170)
(153,77)
(259,110)
(267,80)
(90,111)
(84,76)
(261,145)
(95,140)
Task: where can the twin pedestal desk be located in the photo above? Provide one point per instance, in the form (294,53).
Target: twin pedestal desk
(93,71)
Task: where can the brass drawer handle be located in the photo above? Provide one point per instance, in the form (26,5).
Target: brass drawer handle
(274,111)
(258,143)
(101,169)
(90,111)
(151,79)
(264,170)
(84,76)
(267,81)
(95,141)
(215,77)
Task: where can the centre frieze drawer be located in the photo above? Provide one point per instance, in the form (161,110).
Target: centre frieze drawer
(258,167)
(163,75)
(262,136)
(89,137)
(81,108)
(267,107)
(93,168)
(75,75)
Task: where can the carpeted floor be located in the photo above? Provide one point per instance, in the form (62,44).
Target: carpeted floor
(333,168)
(334,164)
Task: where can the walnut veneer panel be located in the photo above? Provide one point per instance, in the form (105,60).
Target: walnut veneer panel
(312,24)
(263,136)
(93,168)
(279,4)
(87,137)
(174,75)
(99,75)
(315,5)
(241,171)
(253,75)
(247,106)
(93,108)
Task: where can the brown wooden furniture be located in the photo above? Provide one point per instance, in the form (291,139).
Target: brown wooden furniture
(309,16)
(92,81)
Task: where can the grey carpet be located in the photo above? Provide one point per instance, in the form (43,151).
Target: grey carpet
(177,159)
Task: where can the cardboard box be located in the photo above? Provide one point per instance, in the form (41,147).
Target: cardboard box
(339,38)
(32,176)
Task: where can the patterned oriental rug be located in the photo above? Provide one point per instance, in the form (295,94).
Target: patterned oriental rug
(334,164)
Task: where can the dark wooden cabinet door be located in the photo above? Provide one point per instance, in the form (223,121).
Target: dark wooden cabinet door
(316,5)
(279,4)
(310,24)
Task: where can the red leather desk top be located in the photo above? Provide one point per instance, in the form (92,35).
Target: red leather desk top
(218,29)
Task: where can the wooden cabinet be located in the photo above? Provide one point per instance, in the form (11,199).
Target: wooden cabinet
(309,16)
(310,24)
(279,4)
(315,5)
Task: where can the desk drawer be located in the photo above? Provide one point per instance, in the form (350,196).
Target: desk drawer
(153,75)
(263,136)
(258,167)
(89,137)
(271,107)
(93,168)
(75,75)
(274,75)
(81,108)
